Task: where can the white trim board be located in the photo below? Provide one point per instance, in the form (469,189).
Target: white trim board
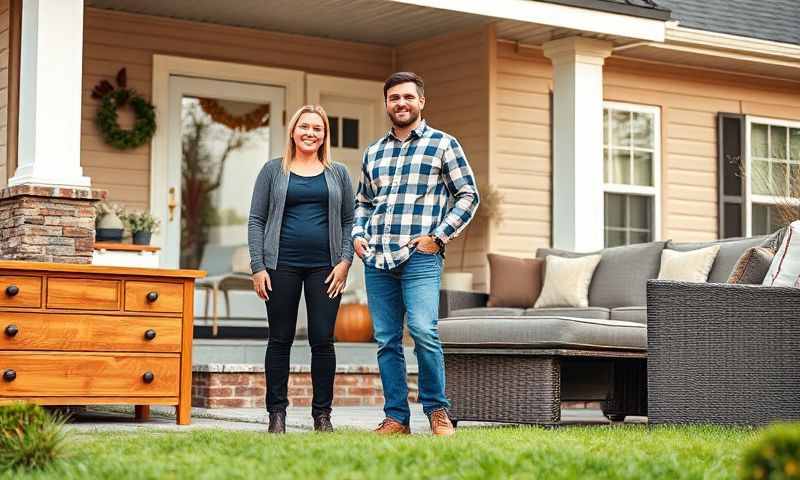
(555,15)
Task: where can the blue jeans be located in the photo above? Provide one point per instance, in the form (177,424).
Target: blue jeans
(413,288)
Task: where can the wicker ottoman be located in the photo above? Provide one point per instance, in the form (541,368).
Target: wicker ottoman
(519,369)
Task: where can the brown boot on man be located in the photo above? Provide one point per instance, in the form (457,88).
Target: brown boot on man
(390,426)
(441,426)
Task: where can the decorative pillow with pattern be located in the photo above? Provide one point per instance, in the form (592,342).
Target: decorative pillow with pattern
(752,266)
(784,271)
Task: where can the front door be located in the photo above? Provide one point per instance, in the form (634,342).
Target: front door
(357,117)
(220,135)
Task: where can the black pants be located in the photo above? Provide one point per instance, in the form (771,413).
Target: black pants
(284,299)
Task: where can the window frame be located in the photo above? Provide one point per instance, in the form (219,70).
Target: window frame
(624,189)
(749,197)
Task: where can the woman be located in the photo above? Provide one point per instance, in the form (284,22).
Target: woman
(299,238)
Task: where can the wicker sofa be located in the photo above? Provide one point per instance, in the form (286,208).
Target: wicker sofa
(724,354)
(517,365)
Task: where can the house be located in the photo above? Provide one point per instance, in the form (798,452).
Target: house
(600,122)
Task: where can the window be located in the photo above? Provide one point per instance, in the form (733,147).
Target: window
(349,132)
(773,167)
(631,166)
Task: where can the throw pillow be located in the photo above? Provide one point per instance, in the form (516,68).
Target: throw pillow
(691,266)
(785,268)
(515,282)
(752,266)
(566,281)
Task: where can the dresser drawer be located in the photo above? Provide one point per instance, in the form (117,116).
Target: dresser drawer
(156,297)
(20,291)
(83,293)
(84,374)
(60,331)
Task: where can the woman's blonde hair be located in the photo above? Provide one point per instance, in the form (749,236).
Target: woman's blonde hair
(324,151)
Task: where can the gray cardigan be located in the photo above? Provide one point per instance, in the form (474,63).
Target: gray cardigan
(266,214)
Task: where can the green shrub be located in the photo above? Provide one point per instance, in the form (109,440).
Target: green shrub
(29,436)
(774,455)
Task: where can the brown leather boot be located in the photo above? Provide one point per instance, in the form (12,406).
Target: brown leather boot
(441,425)
(390,426)
(322,423)
(277,422)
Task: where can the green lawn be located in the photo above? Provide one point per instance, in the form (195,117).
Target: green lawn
(630,452)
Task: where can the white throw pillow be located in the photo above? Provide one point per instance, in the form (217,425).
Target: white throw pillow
(784,271)
(566,281)
(692,266)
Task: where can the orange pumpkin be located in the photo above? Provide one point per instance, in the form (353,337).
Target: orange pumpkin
(353,323)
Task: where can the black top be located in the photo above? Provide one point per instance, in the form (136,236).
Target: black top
(305,240)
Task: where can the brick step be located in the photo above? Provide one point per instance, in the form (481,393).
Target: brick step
(243,385)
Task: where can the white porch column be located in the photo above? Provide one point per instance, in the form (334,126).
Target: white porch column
(50,94)
(578,141)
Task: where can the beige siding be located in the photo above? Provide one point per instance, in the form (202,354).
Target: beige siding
(689,101)
(520,167)
(5,21)
(114,40)
(455,68)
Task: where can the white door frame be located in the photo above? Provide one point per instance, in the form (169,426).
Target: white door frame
(165,66)
(180,87)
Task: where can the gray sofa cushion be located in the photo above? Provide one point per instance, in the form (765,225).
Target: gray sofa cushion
(620,279)
(487,312)
(543,332)
(630,314)
(574,312)
(729,252)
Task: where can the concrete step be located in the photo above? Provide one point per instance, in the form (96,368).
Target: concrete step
(216,351)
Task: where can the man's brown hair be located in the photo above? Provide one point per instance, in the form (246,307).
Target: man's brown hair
(404,77)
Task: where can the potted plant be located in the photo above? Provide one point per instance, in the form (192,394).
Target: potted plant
(489,208)
(108,222)
(141,225)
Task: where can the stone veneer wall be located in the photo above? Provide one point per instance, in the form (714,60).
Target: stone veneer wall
(240,386)
(48,223)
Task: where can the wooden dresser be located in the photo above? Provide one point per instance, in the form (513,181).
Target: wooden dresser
(85,334)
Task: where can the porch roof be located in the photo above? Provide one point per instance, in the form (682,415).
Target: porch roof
(399,22)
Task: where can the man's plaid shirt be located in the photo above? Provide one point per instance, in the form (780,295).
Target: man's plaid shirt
(419,186)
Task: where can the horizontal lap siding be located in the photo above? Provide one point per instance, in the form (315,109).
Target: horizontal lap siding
(114,40)
(689,102)
(455,70)
(5,21)
(521,149)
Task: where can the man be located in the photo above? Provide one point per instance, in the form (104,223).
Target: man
(417,192)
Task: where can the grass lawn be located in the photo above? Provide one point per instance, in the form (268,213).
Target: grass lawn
(630,452)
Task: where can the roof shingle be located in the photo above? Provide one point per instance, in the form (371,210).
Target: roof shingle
(776,20)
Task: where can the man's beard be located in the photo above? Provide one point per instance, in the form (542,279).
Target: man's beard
(413,115)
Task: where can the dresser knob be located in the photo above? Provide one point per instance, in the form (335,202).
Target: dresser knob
(152,297)
(12,290)
(9,375)
(148,377)
(150,334)
(11,330)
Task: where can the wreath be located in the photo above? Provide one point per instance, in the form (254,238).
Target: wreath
(111,100)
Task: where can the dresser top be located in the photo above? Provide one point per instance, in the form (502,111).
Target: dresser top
(17,266)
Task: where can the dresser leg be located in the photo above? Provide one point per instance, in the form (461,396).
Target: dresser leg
(184,413)
(142,412)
